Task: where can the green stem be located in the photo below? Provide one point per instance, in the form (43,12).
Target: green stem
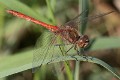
(51,11)
(84,6)
(76,75)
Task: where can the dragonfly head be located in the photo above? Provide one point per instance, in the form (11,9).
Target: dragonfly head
(83,41)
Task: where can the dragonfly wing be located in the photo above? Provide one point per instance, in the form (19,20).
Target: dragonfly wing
(75,23)
(42,54)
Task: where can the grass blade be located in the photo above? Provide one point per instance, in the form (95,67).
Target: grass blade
(23,61)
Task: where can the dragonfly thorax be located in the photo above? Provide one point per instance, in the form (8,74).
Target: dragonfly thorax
(73,37)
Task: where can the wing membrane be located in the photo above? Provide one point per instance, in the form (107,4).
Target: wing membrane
(75,23)
(43,54)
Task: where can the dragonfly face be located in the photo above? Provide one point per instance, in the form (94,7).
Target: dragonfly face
(83,41)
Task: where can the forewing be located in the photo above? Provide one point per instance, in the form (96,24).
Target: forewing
(75,23)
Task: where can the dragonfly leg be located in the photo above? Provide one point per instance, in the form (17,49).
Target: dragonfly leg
(80,51)
(77,49)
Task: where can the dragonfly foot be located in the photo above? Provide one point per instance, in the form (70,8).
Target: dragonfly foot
(74,58)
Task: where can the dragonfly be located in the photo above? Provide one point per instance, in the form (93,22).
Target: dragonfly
(68,31)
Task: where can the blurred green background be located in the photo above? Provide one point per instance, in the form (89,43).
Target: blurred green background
(18,38)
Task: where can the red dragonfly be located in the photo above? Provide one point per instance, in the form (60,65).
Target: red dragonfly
(68,32)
